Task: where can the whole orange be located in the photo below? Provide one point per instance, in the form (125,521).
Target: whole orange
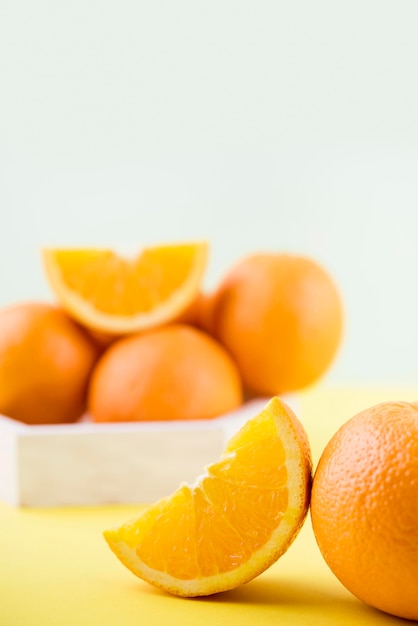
(173,373)
(364,507)
(45,363)
(281,318)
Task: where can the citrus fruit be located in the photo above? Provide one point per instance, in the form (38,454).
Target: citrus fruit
(45,363)
(364,507)
(280,316)
(175,372)
(237,519)
(110,293)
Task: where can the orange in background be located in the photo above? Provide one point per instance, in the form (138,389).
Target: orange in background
(114,295)
(281,318)
(173,373)
(45,363)
(364,507)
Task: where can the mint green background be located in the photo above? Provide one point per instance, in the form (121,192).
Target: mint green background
(257,125)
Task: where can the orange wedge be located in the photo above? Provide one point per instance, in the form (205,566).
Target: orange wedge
(235,521)
(116,295)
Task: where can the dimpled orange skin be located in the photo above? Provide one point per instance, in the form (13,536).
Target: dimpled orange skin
(45,363)
(281,318)
(364,507)
(173,373)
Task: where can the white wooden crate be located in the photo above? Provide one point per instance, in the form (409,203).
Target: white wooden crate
(87,463)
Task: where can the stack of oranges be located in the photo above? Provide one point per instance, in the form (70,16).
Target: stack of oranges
(137,339)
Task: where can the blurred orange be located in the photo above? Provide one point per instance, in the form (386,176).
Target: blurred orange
(281,318)
(114,295)
(45,363)
(173,373)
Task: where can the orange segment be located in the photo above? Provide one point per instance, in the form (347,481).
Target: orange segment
(237,518)
(109,293)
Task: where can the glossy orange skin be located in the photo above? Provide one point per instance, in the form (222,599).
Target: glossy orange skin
(364,507)
(45,363)
(281,318)
(173,373)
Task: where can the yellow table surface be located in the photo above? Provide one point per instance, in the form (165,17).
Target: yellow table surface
(56,569)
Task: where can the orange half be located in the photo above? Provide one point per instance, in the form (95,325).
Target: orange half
(116,295)
(235,521)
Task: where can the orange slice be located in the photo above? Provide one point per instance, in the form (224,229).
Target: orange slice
(110,293)
(235,521)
